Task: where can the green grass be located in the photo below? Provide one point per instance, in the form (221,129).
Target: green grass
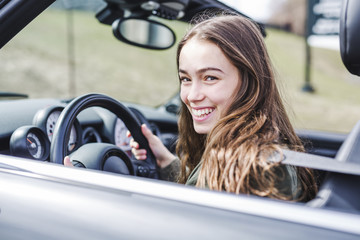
(36,62)
(335,105)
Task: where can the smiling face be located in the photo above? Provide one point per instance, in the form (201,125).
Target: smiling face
(209,82)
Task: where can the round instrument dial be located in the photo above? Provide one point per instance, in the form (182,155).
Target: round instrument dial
(121,138)
(50,126)
(34,145)
(30,142)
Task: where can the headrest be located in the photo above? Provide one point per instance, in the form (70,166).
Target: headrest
(350,35)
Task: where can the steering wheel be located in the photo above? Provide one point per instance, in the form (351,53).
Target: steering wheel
(101,156)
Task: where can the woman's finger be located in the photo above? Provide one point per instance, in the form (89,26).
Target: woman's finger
(67,162)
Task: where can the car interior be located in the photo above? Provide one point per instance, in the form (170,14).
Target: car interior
(92,128)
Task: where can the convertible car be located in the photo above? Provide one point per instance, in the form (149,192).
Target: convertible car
(111,195)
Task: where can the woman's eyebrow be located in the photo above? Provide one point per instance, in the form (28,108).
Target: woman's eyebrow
(203,70)
(182,71)
(209,69)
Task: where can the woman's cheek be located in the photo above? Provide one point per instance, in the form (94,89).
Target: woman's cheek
(183,95)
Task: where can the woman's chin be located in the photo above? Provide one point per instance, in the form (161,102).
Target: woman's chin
(202,129)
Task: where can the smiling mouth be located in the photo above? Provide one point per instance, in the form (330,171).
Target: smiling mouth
(201,113)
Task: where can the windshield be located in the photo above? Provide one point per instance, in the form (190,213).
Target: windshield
(66,52)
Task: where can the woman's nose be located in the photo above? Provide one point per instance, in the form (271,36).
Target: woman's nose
(195,93)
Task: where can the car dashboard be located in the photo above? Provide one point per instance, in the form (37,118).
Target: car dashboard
(27,126)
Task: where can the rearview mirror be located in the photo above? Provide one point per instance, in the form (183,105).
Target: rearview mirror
(143,33)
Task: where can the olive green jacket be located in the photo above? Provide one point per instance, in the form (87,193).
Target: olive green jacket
(289,185)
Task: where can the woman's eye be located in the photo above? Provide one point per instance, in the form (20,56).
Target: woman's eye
(210,78)
(184,79)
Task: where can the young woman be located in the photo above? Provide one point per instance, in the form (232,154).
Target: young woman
(232,123)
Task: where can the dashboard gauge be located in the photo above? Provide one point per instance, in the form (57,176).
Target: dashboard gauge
(30,142)
(46,119)
(121,138)
(34,145)
(50,126)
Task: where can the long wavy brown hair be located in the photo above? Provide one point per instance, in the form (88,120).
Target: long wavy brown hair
(235,154)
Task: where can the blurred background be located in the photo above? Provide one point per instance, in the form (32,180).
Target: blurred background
(66,52)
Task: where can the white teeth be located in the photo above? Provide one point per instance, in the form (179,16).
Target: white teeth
(202,112)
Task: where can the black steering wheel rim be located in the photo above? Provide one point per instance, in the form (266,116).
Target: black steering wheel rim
(67,117)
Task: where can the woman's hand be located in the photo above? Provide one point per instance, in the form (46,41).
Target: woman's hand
(67,162)
(163,156)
